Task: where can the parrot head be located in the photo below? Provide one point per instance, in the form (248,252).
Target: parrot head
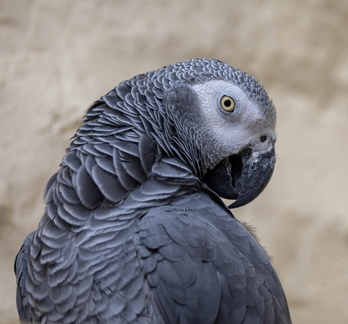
(225,124)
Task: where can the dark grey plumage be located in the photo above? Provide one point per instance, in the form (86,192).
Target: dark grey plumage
(132,230)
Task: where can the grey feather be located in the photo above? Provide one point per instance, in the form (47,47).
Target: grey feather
(132,231)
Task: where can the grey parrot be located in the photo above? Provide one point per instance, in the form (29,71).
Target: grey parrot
(134,229)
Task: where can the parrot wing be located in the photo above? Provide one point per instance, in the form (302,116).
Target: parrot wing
(205,267)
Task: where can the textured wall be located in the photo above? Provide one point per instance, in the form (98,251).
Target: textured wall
(57,57)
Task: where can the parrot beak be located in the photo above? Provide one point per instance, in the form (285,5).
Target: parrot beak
(242,177)
(256,172)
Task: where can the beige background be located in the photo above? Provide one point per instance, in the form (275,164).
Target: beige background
(57,57)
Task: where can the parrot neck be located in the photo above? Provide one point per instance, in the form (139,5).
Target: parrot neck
(83,189)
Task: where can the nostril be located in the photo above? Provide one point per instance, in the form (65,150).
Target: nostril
(263,138)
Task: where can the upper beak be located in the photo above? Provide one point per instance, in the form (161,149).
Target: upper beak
(242,177)
(257,170)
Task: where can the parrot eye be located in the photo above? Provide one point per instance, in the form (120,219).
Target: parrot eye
(227,103)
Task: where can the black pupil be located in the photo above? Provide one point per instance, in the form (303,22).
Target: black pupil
(228,103)
(263,138)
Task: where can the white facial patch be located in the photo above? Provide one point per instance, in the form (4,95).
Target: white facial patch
(237,129)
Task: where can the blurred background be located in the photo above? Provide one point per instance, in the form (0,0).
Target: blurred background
(57,57)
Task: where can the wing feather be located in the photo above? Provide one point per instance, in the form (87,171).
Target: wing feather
(21,272)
